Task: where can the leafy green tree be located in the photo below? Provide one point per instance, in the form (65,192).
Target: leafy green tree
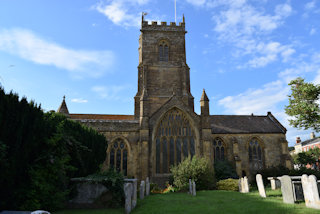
(309,157)
(303,105)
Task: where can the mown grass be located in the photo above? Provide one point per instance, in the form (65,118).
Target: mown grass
(209,202)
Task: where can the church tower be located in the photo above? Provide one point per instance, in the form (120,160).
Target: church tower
(162,71)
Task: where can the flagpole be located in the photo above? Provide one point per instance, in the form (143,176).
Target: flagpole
(175,11)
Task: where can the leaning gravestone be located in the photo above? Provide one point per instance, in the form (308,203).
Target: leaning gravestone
(245,184)
(286,189)
(134,193)
(260,185)
(128,188)
(190,187)
(310,191)
(147,186)
(142,189)
(194,189)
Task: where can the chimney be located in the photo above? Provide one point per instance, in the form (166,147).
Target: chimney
(298,140)
(312,135)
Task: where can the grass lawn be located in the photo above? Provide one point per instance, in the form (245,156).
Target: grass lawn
(209,202)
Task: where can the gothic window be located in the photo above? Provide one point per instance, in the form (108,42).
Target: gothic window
(118,156)
(218,149)
(175,140)
(255,155)
(163,51)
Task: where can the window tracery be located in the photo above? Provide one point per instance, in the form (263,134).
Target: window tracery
(255,155)
(218,149)
(163,51)
(118,156)
(175,140)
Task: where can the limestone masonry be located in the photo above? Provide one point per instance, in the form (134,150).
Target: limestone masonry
(164,129)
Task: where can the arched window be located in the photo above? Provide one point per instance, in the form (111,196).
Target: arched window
(175,140)
(163,51)
(118,156)
(255,155)
(218,149)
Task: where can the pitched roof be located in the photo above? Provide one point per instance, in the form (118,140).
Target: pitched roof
(101,117)
(204,96)
(310,141)
(63,107)
(241,124)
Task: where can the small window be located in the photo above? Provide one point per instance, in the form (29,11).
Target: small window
(163,51)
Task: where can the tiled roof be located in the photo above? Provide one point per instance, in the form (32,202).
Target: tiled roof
(101,117)
(241,124)
(310,141)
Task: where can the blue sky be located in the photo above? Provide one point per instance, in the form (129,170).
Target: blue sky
(243,53)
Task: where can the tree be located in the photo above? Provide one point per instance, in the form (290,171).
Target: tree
(303,105)
(304,158)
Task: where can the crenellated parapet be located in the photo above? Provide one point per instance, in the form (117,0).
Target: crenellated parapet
(162,26)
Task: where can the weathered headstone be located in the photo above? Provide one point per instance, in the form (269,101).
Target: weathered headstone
(142,189)
(245,184)
(260,185)
(194,189)
(147,186)
(128,188)
(286,189)
(310,191)
(134,193)
(240,185)
(190,187)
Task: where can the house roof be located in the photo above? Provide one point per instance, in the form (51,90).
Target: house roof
(241,124)
(310,141)
(101,117)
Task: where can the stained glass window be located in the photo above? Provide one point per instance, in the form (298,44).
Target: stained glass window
(175,144)
(218,149)
(118,156)
(255,155)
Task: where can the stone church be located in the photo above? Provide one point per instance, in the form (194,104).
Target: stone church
(165,129)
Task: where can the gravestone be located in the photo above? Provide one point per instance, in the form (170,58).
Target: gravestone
(310,191)
(240,185)
(194,190)
(286,189)
(128,189)
(142,189)
(190,187)
(245,184)
(260,185)
(147,186)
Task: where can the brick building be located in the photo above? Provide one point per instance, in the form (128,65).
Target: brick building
(164,129)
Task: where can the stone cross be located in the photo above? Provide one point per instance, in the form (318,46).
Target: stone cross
(287,190)
(128,194)
(142,189)
(190,187)
(310,191)
(147,186)
(260,185)
(194,190)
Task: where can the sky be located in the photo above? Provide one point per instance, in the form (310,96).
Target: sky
(243,53)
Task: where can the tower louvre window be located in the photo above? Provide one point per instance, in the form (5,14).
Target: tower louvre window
(163,51)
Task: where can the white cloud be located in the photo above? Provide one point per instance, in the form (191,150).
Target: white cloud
(257,101)
(310,5)
(125,13)
(29,46)
(79,100)
(312,31)
(108,92)
(197,2)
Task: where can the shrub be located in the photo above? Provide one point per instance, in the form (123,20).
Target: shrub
(228,184)
(198,169)
(224,170)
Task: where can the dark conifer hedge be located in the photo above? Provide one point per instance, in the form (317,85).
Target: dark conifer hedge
(40,152)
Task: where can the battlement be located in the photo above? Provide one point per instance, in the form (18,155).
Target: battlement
(162,26)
